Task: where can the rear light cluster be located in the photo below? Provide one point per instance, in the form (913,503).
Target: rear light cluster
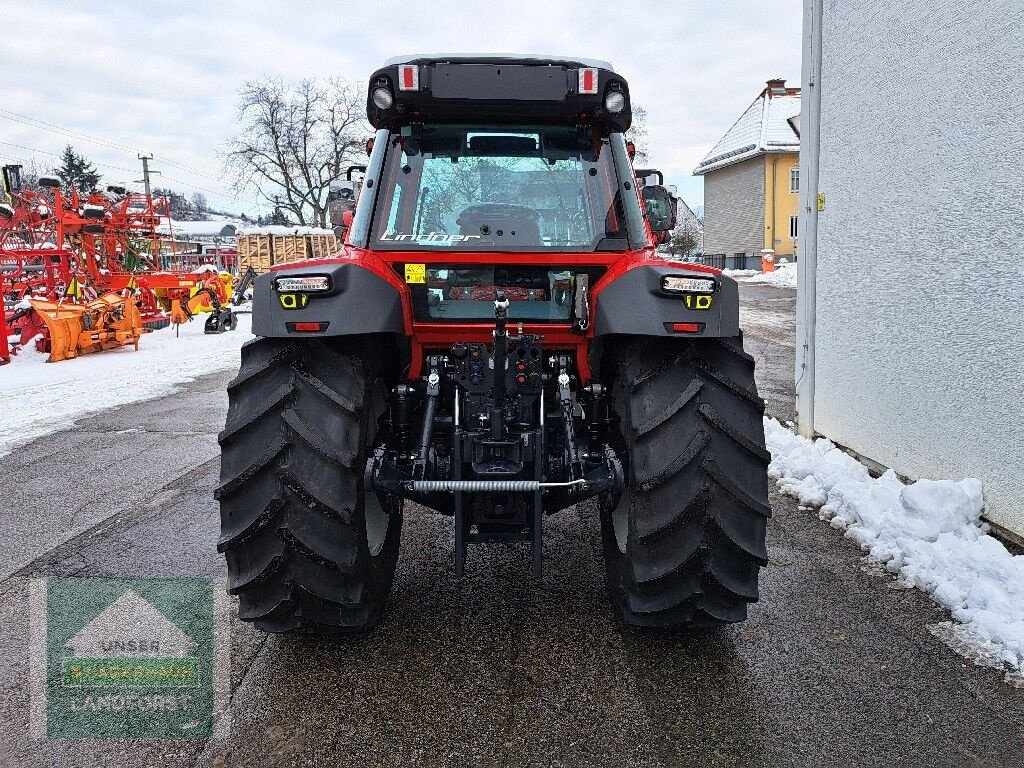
(677,284)
(408,80)
(614,98)
(308,284)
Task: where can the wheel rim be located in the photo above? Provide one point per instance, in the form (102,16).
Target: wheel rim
(620,519)
(377,520)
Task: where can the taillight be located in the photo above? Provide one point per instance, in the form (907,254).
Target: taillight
(588,81)
(308,327)
(408,77)
(686,327)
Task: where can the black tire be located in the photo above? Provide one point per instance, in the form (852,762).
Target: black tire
(306,548)
(684,544)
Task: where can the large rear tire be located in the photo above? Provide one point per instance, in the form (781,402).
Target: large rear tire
(684,543)
(306,547)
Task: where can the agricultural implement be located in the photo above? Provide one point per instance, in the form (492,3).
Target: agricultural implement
(91,259)
(498,341)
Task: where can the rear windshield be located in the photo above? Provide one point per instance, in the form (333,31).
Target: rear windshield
(499,188)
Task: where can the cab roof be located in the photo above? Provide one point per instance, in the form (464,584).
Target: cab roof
(497,58)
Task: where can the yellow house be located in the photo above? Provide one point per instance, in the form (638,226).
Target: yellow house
(752,182)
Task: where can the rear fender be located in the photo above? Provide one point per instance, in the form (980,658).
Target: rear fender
(632,301)
(364,297)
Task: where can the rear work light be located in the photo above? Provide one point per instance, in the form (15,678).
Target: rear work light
(382,97)
(615,101)
(675,284)
(588,81)
(408,77)
(302,284)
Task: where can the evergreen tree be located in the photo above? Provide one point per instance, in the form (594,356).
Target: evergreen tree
(75,172)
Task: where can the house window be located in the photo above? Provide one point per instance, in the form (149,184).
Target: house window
(794,224)
(794,181)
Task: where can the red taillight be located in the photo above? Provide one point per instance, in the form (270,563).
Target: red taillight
(315,327)
(588,81)
(408,77)
(686,327)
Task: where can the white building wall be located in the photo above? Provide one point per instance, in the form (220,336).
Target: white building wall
(920,303)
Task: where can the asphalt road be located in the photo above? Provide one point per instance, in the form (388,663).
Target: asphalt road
(834,667)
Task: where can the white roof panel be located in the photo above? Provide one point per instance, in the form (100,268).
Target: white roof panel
(764,127)
(502,56)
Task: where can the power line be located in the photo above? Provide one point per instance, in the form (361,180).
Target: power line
(128,170)
(34,122)
(50,127)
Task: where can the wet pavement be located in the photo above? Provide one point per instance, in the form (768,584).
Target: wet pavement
(834,667)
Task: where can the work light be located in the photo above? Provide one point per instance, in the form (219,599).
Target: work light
(615,101)
(675,284)
(382,97)
(309,284)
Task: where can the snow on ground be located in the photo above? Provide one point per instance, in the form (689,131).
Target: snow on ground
(784,276)
(741,272)
(928,534)
(40,398)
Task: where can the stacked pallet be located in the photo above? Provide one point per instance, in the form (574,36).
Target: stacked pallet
(268,246)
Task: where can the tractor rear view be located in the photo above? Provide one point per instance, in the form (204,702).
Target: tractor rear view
(497,341)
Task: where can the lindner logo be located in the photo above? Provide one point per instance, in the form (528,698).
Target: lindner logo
(129,658)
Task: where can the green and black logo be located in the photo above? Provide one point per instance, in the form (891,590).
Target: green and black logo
(129,658)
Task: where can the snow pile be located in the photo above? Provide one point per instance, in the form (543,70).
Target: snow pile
(40,398)
(929,534)
(741,272)
(274,229)
(784,276)
(209,228)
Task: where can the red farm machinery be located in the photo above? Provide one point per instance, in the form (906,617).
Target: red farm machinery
(81,272)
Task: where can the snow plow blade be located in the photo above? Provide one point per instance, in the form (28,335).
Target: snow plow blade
(77,329)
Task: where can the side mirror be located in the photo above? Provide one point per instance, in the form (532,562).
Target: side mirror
(661,212)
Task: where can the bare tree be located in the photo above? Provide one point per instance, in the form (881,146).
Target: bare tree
(684,239)
(295,140)
(199,203)
(638,135)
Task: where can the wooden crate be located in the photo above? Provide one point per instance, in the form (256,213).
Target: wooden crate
(255,251)
(264,251)
(322,246)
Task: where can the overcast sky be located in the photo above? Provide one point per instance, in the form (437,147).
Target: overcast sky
(163,77)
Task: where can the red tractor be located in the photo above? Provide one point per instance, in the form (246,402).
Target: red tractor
(498,340)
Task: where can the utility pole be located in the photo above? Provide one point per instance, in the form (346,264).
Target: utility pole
(146,172)
(149,199)
(811,202)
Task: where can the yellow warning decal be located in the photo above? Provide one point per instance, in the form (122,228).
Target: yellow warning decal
(415,273)
(132,285)
(698,302)
(74,289)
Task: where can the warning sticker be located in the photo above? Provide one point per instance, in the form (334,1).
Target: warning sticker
(415,273)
